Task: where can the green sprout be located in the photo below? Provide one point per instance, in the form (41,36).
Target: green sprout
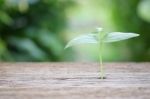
(100,37)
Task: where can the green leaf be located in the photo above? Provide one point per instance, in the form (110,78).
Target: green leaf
(118,36)
(106,38)
(89,38)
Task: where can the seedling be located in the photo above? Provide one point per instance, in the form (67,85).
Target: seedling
(100,37)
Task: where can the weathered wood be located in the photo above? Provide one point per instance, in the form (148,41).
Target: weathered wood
(74,81)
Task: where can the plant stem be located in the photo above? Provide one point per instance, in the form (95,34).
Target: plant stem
(101,61)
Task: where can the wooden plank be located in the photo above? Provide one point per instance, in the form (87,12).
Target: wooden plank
(74,81)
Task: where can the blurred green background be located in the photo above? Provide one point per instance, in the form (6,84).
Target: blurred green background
(38,30)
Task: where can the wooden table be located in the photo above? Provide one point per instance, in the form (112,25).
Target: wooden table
(74,81)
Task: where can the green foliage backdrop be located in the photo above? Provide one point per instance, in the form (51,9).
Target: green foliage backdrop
(30,30)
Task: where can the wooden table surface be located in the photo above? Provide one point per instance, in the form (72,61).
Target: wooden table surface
(74,81)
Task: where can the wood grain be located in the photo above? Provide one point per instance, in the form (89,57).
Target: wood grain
(74,81)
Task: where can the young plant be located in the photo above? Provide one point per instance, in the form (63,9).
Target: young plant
(100,37)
